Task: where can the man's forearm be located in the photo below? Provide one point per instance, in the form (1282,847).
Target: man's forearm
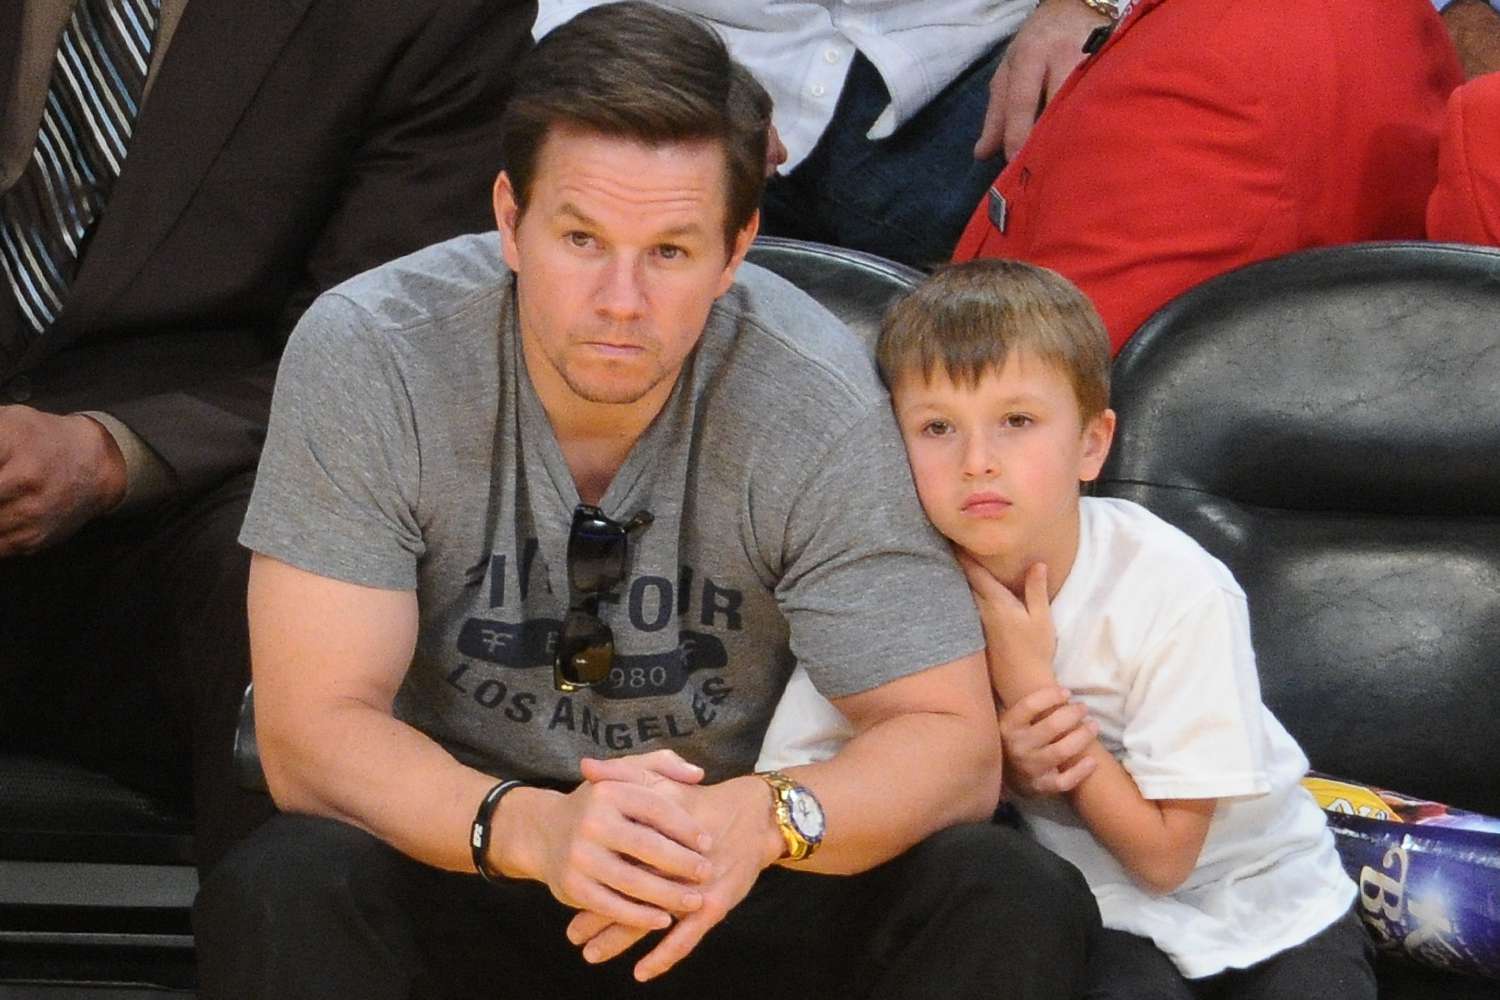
(620,851)
(891,786)
(328,658)
(365,768)
(899,781)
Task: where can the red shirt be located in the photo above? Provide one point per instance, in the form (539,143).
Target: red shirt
(1465,206)
(1207,134)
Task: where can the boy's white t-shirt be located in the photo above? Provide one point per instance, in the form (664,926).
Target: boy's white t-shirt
(1154,639)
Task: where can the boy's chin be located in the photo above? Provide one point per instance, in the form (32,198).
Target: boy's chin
(998,559)
(979,541)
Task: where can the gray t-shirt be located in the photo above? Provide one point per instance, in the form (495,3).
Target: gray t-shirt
(408,450)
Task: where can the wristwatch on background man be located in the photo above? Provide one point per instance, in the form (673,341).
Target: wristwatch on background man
(1109,10)
(798,815)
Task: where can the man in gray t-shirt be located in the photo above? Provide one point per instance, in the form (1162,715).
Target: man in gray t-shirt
(542,526)
(411,451)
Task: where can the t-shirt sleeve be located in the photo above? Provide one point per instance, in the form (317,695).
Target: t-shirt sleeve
(871,591)
(336,491)
(1194,724)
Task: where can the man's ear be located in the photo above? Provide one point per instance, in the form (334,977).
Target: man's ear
(507,219)
(1098,435)
(742,241)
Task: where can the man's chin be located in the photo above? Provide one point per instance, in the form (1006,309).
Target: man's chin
(611,391)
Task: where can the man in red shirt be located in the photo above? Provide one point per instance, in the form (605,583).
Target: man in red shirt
(1207,134)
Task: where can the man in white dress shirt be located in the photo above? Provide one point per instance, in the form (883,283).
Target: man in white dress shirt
(895,114)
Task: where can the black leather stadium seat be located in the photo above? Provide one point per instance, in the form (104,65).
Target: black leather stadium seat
(1328,424)
(856,287)
(95,884)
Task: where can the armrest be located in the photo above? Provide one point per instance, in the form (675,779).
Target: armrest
(246,753)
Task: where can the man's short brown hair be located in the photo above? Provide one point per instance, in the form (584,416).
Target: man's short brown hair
(967,318)
(635,71)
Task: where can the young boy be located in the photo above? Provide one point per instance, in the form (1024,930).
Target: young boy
(1136,745)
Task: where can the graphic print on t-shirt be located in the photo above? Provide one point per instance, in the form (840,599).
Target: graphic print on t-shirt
(504,656)
(650,604)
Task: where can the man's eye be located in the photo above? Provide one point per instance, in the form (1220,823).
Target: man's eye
(668,251)
(579,238)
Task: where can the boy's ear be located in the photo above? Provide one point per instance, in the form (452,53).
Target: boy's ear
(1098,434)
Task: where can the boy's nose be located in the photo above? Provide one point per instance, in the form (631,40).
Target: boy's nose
(979,459)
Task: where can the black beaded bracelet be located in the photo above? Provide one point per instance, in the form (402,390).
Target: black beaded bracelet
(479,836)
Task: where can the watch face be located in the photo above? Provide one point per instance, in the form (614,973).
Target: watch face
(807,815)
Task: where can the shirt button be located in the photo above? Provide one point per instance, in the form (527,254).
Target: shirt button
(18,389)
(818,90)
(831,55)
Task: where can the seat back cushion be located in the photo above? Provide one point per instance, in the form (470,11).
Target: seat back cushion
(1328,424)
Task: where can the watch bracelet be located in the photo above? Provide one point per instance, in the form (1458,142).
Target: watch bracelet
(798,846)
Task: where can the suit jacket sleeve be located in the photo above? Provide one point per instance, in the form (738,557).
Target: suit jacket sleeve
(411,164)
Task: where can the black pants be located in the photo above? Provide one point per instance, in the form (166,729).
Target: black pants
(1335,964)
(312,908)
(125,649)
(906,197)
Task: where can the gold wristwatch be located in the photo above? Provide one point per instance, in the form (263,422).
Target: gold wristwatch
(798,815)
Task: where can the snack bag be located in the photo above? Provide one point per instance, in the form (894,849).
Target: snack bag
(1428,874)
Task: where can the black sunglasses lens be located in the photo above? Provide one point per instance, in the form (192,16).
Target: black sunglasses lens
(585,651)
(596,552)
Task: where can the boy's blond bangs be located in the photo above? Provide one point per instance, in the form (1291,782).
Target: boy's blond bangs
(966,319)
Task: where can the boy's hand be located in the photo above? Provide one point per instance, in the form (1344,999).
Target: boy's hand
(1046,738)
(1019,638)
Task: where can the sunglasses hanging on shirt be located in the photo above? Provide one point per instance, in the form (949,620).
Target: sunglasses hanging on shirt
(597,550)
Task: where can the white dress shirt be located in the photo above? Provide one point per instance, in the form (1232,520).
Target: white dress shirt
(800,51)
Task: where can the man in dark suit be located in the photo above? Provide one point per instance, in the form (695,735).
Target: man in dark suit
(278,149)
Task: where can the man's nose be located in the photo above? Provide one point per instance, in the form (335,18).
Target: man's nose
(622,292)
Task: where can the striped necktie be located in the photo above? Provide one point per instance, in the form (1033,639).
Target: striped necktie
(95,92)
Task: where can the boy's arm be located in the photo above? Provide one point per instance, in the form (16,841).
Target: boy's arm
(1045,738)
(1157,840)
(1051,749)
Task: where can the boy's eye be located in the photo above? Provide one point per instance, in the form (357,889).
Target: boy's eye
(1016,420)
(937,428)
